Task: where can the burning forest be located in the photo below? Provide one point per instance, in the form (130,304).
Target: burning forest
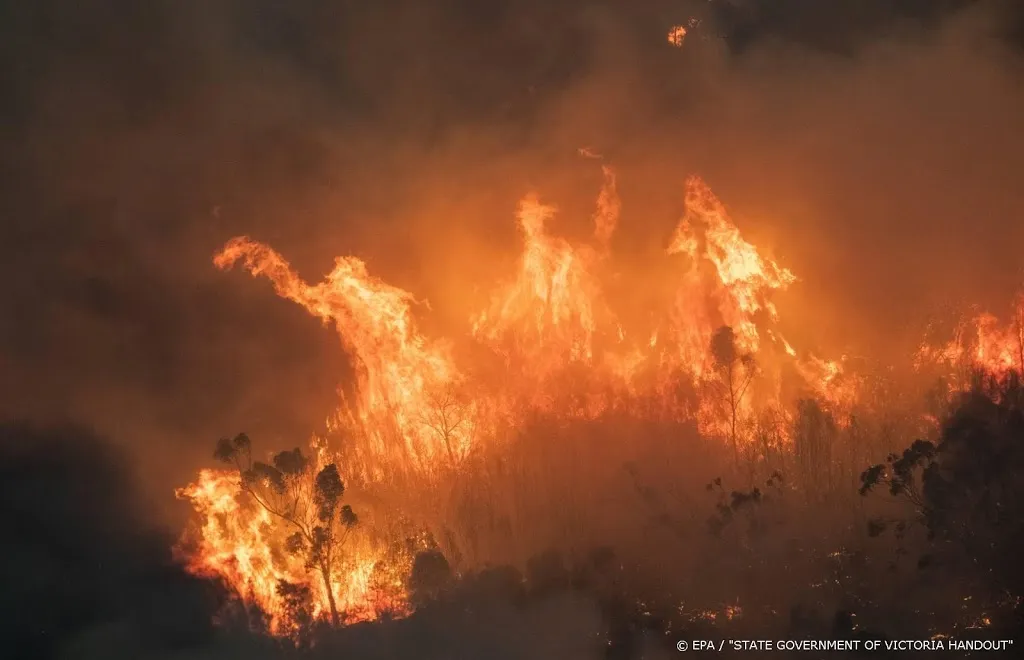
(693,321)
(419,423)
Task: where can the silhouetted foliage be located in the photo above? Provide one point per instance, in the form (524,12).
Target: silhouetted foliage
(968,489)
(503,583)
(546,573)
(430,576)
(321,523)
(736,371)
(814,434)
(729,506)
(298,610)
(723,347)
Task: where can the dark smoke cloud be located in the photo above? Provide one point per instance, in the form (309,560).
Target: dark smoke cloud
(81,552)
(873,146)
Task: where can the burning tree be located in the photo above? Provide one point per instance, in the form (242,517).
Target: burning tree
(551,344)
(980,345)
(448,416)
(308,503)
(737,371)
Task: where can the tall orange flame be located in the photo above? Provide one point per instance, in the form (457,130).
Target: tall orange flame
(982,343)
(417,412)
(398,369)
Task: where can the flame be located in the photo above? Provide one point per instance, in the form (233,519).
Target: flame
(744,282)
(833,383)
(236,542)
(676,35)
(553,299)
(609,206)
(981,344)
(559,349)
(399,372)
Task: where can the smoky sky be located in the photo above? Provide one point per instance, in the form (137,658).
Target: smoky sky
(873,147)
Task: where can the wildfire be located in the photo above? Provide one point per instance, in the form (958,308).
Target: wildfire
(553,300)
(561,350)
(399,371)
(548,316)
(677,33)
(743,286)
(237,543)
(832,383)
(983,344)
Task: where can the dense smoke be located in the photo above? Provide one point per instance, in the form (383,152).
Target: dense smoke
(872,147)
(83,560)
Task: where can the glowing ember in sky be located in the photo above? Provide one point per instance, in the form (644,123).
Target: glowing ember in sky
(676,35)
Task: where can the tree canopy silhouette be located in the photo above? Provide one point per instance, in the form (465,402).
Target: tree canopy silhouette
(309,503)
(736,370)
(967,488)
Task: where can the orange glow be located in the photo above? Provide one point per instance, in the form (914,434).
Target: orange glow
(236,543)
(832,383)
(745,279)
(676,35)
(553,298)
(983,343)
(560,349)
(398,370)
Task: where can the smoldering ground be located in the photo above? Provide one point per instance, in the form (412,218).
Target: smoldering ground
(874,147)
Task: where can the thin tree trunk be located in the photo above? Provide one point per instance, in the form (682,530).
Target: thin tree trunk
(732,419)
(1020,338)
(448,447)
(325,572)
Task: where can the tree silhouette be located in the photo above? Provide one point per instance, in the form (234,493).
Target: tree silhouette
(968,489)
(430,575)
(736,371)
(1018,331)
(448,417)
(814,432)
(310,503)
(298,605)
